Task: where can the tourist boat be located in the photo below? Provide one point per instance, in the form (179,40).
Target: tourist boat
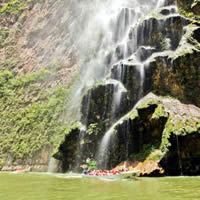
(120,175)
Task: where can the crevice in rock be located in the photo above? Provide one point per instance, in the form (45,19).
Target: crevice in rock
(183,157)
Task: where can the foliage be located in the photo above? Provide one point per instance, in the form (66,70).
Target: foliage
(175,125)
(133,114)
(145,153)
(155,155)
(14,7)
(4,32)
(93,129)
(9,63)
(159,112)
(91,164)
(147,103)
(30,113)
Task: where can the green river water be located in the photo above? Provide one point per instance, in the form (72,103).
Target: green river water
(60,187)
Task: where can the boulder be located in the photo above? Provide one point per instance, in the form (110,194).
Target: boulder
(196,7)
(154,133)
(99,106)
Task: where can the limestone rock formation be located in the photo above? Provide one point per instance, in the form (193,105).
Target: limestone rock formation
(162,56)
(158,128)
(34,88)
(120,123)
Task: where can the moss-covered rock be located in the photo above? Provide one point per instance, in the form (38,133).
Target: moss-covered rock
(147,133)
(190,8)
(67,149)
(196,7)
(31,115)
(177,73)
(11,10)
(98,105)
(129,74)
(170,26)
(172,38)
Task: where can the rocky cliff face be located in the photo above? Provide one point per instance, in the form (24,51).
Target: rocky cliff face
(190,6)
(150,136)
(36,73)
(158,135)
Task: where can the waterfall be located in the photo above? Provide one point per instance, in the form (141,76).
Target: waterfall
(54,165)
(119,90)
(160,3)
(80,150)
(103,151)
(107,35)
(99,33)
(179,156)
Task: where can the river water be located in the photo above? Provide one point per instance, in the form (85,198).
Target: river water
(61,187)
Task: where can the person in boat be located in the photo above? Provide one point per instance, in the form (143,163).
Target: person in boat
(84,168)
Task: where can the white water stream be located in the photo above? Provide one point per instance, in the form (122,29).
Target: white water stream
(98,35)
(97,28)
(132,20)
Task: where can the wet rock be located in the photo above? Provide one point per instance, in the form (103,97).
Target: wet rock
(170,2)
(178,77)
(168,10)
(196,7)
(145,136)
(98,105)
(144,52)
(189,6)
(129,74)
(196,34)
(183,157)
(153,31)
(67,150)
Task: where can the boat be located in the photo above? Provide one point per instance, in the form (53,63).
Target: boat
(121,175)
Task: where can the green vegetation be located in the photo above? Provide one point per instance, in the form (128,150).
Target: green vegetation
(30,113)
(4,32)
(133,114)
(10,11)
(148,152)
(91,164)
(93,129)
(187,14)
(187,8)
(159,112)
(147,103)
(14,7)
(179,127)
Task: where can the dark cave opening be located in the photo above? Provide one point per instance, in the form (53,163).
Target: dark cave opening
(183,157)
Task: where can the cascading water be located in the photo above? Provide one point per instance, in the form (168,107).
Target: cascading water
(99,33)
(119,89)
(103,151)
(114,46)
(53,165)
(80,147)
